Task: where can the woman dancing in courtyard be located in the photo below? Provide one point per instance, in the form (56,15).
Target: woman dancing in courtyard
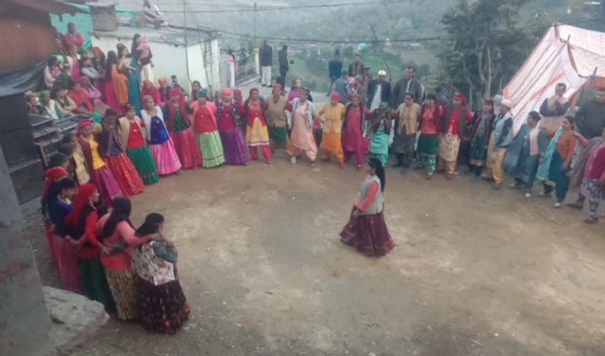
(366,230)
(162,304)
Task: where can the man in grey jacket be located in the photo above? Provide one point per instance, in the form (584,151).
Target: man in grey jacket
(408,84)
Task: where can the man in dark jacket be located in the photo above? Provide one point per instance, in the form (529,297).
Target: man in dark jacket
(408,84)
(284,65)
(379,91)
(590,118)
(266,62)
(356,68)
(334,68)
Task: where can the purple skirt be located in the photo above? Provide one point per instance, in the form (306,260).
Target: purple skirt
(235,148)
(368,234)
(107,184)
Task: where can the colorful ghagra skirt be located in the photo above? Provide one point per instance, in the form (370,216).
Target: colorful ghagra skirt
(187,149)
(368,234)
(122,284)
(278,136)
(165,158)
(234,147)
(145,165)
(94,283)
(212,149)
(107,184)
(126,175)
(162,308)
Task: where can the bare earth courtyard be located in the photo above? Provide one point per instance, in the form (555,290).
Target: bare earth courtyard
(476,272)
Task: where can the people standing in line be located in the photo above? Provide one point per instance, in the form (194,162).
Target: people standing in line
(526,153)
(52,176)
(117,237)
(379,91)
(356,68)
(353,128)
(593,178)
(161,145)
(556,105)
(230,129)
(454,129)
(480,135)
(257,133)
(428,142)
(132,141)
(162,304)
(378,131)
(206,130)
(334,69)
(333,115)
(366,230)
(301,138)
(408,84)
(284,64)
(277,118)
(557,161)
(118,162)
(408,117)
(341,86)
(500,138)
(101,175)
(580,160)
(266,63)
(82,221)
(590,118)
(179,124)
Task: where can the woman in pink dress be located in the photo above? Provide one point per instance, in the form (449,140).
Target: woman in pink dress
(160,143)
(301,138)
(257,133)
(353,130)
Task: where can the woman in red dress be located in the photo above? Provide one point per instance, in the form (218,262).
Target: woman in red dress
(257,132)
(352,128)
(178,122)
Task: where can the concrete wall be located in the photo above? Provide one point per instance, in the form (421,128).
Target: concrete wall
(24,319)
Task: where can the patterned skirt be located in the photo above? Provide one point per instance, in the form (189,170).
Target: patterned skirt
(145,165)
(163,308)
(368,234)
(166,158)
(278,136)
(234,147)
(69,265)
(127,176)
(212,149)
(449,145)
(107,184)
(124,291)
(257,134)
(187,149)
(94,283)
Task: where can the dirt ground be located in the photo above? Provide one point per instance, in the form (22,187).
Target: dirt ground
(475,271)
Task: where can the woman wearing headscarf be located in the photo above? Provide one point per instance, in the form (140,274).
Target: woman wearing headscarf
(161,145)
(407,117)
(117,236)
(301,138)
(50,105)
(120,165)
(101,175)
(455,128)
(378,132)
(80,98)
(480,135)
(333,114)
(206,130)
(229,126)
(132,141)
(367,230)
(164,89)
(58,201)
(116,84)
(82,221)
(150,89)
(428,142)
(500,138)
(257,133)
(352,127)
(162,304)
(178,121)
(52,176)
(91,92)
(525,153)
(277,119)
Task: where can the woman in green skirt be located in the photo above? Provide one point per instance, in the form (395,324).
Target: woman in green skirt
(206,131)
(82,223)
(133,142)
(428,143)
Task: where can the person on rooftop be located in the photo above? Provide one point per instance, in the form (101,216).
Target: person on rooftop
(73,37)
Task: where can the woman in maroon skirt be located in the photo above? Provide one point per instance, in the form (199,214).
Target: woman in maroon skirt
(366,229)
(178,122)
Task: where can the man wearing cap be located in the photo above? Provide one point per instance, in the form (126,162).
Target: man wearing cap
(501,137)
(379,91)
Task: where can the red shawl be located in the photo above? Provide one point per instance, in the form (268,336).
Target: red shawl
(151,90)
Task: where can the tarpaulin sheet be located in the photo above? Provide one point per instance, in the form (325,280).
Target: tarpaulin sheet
(20,80)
